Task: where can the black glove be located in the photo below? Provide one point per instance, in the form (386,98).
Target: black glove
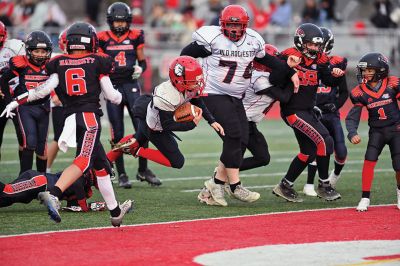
(317,112)
(329,108)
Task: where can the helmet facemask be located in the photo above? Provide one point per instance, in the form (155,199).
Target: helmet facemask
(313,52)
(39,56)
(233,30)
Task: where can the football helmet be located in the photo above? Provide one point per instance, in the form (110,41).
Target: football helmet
(119,12)
(62,40)
(234,14)
(329,40)
(308,33)
(3,34)
(377,61)
(269,49)
(38,40)
(186,74)
(81,36)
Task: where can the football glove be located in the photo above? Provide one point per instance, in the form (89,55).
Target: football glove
(97,206)
(137,71)
(329,108)
(317,112)
(7,112)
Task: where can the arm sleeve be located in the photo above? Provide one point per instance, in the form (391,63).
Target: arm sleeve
(44,89)
(281,94)
(324,71)
(343,93)
(195,50)
(110,93)
(280,71)
(206,113)
(353,120)
(168,123)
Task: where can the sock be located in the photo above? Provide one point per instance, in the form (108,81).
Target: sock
(233,186)
(323,166)
(48,170)
(284,180)
(398,179)
(367,175)
(142,164)
(296,168)
(312,170)
(106,189)
(365,194)
(26,160)
(153,155)
(219,182)
(339,166)
(115,212)
(56,191)
(41,164)
(119,163)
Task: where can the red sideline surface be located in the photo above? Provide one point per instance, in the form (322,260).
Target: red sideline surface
(179,242)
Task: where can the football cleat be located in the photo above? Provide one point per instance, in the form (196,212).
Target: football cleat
(286,191)
(149,177)
(123,181)
(130,146)
(206,197)
(363,205)
(52,204)
(125,207)
(309,190)
(243,194)
(217,191)
(327,192)
(333,178)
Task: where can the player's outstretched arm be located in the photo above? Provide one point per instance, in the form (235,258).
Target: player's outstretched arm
(195,50)
(110,93)
(43,90)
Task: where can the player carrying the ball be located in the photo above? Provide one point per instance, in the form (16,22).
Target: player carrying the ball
(159,117)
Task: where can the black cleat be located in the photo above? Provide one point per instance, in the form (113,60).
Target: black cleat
(149,177)
(123,181)
(286,191)
(327,192)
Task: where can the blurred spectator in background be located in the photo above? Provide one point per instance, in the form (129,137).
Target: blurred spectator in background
(381,17)
(137,12)
(327,12)
(6,11)
(157,16)
(310,12)
(282,16)
(208,11)
(92,11)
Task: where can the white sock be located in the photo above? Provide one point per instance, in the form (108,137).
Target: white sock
(107,191)
(48,170)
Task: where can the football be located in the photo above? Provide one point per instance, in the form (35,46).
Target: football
(186,112)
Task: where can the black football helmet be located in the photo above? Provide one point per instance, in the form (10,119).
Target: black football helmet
(38,40)
(377,61)
(329,40)
(119,12)
(308,33)
(81,36)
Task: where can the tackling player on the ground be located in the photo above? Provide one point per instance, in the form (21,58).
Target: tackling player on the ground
(329,100)
(82,75)
(228,52)
(125,46)
(380,94)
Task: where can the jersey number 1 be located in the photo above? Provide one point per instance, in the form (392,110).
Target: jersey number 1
(232,68)
(382,115)
(75,82)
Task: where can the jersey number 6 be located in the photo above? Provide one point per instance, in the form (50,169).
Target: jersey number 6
(74,79)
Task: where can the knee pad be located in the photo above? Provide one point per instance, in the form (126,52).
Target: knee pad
(305,158)
(231,152)
(340,152)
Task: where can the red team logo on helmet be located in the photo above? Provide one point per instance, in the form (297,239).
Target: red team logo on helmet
(62,40)
(3,34)
(234,14)
(186,75)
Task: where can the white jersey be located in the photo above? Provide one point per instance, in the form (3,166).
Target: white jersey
(228,69)
(167,98)
(11,48)
(256,105)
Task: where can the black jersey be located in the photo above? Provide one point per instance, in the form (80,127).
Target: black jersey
(123,51)
(30,76)
(310,73)
(79,80)
(382,106)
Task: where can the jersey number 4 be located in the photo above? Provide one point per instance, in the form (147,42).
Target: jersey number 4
(232,69)
(75,82)
(121,59)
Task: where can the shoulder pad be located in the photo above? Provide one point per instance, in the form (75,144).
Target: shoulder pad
(102,35)
(393,81)
(206,34)
(322,58)
(17,46)
(19,61)
(256,35)
(292,51)
(166,97)
(356,92)
(135,33)
(101,54)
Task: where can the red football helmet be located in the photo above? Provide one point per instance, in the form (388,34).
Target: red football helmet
(62,40)
(3,34)
(186,74)
(233,14)
(269,49)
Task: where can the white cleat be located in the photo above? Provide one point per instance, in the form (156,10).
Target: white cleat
(217,192)
(206,197)
(309,190)
(333,178)
(398,199)
(125,207)
(363,205)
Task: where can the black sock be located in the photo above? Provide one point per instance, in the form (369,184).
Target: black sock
(26,160)
(398,187)
(56,191)
(311,171)
(338,168)
(365,194)
(115,212)
(119,163)
(142,164)
(219,182)
(323,166)
(233,186)
(295,169)
(41,164)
